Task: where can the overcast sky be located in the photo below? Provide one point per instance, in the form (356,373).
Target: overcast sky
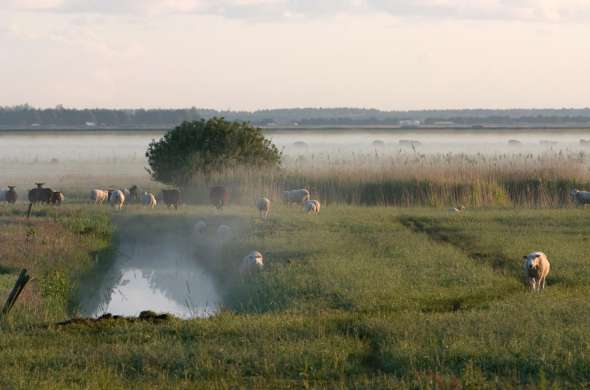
(253,54)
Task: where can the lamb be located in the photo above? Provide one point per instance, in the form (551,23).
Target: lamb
(536,268)
(580,197)
(149,200)
(99,196)
(312,206)
(117,199)
(296,196)
(253,261)
(263,206)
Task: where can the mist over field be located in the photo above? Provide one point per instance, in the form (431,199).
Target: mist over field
(289,194)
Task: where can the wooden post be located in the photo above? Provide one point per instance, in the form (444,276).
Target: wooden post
(20,284)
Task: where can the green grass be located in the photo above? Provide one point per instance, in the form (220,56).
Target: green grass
(362,297)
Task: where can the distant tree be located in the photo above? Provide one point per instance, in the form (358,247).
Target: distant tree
(205,147)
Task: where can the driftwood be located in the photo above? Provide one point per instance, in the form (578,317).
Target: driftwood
(20,284)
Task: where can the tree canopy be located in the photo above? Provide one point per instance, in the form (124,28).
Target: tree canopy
(204,147)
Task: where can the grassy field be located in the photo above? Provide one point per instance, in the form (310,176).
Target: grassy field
(362,297)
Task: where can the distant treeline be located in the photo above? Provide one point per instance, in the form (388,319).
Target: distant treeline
(25,116)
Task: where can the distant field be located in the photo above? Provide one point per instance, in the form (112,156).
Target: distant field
(406,168)
(366,297)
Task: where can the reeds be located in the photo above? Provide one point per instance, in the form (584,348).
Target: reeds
(408,179)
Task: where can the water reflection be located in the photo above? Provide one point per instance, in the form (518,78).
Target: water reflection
(157,276)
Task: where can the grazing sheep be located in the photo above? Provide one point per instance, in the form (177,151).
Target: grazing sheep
(224,232)
(99,196)
(263,206)
(134,193)
(57,198)
(253,261)
(218,196)
(40,194)
(580,197)
(117,199)
(536,268)
(149,200)
(296,196)
(11,196)
(312,206)
(171,198)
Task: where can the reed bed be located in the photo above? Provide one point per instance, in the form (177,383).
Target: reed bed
(408,179)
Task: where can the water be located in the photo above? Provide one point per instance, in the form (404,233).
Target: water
(160,274)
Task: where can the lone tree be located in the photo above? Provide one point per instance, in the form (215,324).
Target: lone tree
(206,147)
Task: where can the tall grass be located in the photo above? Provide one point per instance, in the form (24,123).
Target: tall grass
(404,179)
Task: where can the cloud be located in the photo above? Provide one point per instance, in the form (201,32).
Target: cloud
(529,10)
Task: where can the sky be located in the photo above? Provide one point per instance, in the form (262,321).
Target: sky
(259,54)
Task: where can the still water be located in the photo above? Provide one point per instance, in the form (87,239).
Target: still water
(162,276)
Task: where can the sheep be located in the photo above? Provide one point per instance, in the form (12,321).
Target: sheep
(312,206)
(40,194)
(536,268)
(224,232)
(252,261)
(458,209)
(170,197)
(117,199)
(218,196)
(149,200)
(99,196)
(57,198)
(9,195)
(133,193)
(580,197)
(296,196)
(263,206)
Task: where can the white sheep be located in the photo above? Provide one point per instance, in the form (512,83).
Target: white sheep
(580,197)
(459,209)
(253,261)
(536,268)
(312,206)
(149,200)
(99,196)
(296,196)
(117,199)
(263,206)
